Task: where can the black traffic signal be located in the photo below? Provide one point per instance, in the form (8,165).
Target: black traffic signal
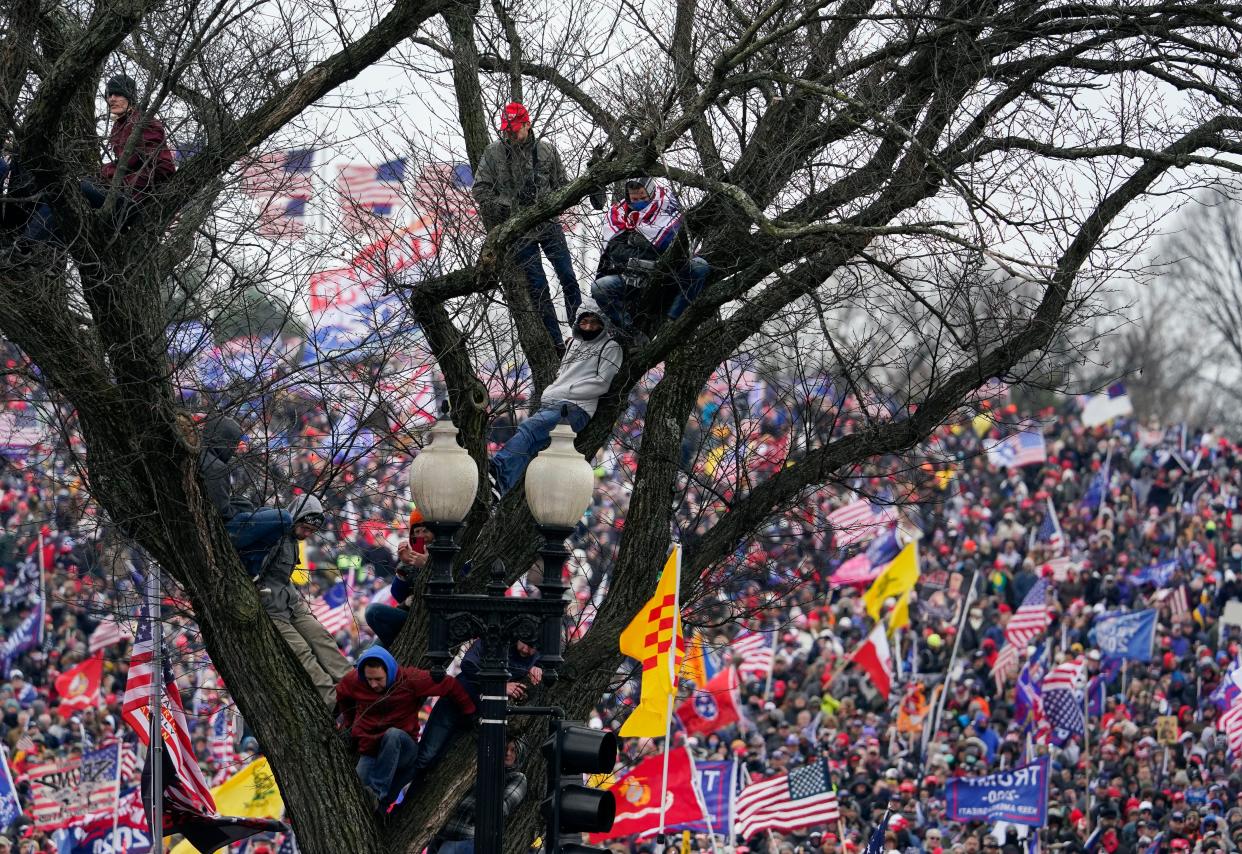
(570,806)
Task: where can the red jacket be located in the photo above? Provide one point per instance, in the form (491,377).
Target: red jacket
(370,714)
(151,161)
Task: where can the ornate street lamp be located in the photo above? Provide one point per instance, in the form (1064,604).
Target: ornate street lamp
(444,481)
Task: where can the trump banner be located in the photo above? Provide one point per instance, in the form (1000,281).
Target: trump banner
(1128,636)
(717,782)
(1019,796)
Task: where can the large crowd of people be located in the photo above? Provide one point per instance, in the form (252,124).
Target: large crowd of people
(1129,497)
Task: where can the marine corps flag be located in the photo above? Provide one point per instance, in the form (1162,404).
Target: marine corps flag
(897,579)
(654,638)
(638,797)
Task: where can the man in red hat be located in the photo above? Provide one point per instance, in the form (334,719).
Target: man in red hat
(518,171)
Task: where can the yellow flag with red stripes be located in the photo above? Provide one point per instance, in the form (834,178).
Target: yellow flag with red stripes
(654,637)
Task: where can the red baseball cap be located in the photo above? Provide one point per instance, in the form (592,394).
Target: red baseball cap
(514,116)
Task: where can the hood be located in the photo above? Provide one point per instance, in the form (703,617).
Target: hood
(590,306)
(378,653)
(220,437)
(305,505)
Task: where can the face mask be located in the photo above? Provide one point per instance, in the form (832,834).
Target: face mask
(639,205)
(589,336)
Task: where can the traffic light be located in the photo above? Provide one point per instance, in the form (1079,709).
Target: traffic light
(571,807)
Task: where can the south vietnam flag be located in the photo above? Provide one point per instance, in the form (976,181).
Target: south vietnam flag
(654,637)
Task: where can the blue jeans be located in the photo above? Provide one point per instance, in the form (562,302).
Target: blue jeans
(388,771)
(386,621)
(532,436)
(441,728)
(42,226)
(551,238)
(617,295)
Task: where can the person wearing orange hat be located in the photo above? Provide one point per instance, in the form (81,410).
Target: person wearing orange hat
(386,620)
(518,171)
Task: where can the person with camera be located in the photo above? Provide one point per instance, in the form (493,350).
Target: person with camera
(517,171)
(638,231)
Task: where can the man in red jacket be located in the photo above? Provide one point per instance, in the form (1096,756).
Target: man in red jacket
(379,704)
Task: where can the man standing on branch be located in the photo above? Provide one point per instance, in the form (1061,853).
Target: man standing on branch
(516,172)
(267,540)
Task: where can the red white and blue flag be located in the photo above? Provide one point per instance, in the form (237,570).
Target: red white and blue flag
(369,194)
(754,653)
(281,183)
(332,609)
(1028,622)
(1062,689)
(1021,449)
(860,521)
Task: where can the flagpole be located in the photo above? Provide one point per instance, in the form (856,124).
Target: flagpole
(155,732)
(42,585)
(672,678)
(733,797)
(1108,456)
(116,804)
(957,645)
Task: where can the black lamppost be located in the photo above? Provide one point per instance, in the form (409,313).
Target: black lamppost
(443,482)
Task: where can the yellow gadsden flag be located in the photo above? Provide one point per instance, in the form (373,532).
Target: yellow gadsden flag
(250,793)
(896,581)
(654,637)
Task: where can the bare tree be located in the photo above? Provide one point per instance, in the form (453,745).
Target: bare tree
(846,166)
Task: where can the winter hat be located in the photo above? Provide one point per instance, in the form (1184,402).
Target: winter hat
(122,85)
(645,181)
(514,116)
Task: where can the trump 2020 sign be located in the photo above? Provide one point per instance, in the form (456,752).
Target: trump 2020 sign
(1019,796)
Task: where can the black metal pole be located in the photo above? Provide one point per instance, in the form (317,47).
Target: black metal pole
(443,551)
(554,553)
(493,729)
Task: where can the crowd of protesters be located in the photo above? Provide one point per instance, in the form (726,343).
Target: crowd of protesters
(1170,495)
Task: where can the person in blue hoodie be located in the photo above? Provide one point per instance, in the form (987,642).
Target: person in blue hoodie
(267,543)
(591,360)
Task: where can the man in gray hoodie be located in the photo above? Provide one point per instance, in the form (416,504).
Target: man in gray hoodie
(591,360)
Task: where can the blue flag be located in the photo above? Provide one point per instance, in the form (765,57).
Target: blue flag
(717,782)
(1126,635)
(1158,574)
(1019,796)
(10,806)
(875,844)
(1027,693)
(22,639)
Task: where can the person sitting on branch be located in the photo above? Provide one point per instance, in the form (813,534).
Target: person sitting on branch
(639,233)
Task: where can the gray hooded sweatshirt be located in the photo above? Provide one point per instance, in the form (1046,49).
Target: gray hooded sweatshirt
(588,367)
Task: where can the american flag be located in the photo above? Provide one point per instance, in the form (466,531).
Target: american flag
(1027,623)
(1063,700)
(107,633)
(1049,533)
(802,799)
(859,521)
(136,710)
(1021,449)
(754,653)
(367,192)
(332,609)
(442,191)
(220,736)
(1179,602)
(289,845)
(281,184)
(1231,723)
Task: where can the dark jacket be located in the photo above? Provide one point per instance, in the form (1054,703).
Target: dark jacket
(472,663)
(220,438)
(369,714)
(513,175)
(268,550)
(151,161)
